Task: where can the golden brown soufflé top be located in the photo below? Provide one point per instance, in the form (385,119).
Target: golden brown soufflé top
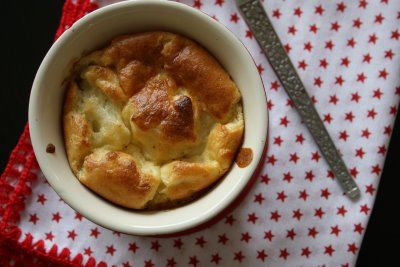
(151,120)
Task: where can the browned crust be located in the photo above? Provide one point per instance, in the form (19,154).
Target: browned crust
(116,177)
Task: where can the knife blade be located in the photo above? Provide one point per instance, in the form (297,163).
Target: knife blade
(263,31)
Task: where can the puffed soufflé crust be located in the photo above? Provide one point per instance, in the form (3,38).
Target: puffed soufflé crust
(151,120)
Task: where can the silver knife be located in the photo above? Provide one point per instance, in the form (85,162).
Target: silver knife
(258,21)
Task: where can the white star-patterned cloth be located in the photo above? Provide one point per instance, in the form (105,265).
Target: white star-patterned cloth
(347,54)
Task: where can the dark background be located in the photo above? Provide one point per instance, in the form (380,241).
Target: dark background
(27,33)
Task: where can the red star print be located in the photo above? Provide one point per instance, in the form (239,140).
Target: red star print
(349,116)
(377,94)
(354,172)
(312,232)
(335,26)
(329,250)
(41,199)
(323,63)
(305,252)
(88,251)
(292,30)
(395,35)
(355,97)
(245,237)
(278,140)
(362,4)
(339,80)
(49,236)
(155,245)
(371,113)
(276,13)
(327,118)
(325,193)
(309,175)
(239,256)
(303,195)
(352,248)
(249,34)
(269,104)
(341,211)
(379,18)
(133,247)
(219,2)
(319,213)
(116,233)
(287,177)
(364,209)
(319,10)
(294,158)
(230,220)
(318,82)
(335,230)
(372,38)
(222,239)
(275,216)
(365,133)
(297,12)
(345,62)
(358,228)
(148,263)
(259,198)
(297,214)
(382,150)
(299,138)
(78,216)
(33,218)
(284,121)
(393,110)
(351,42)
(72,234)
(268,235)
(361,77)
(271,159)
(315,156)
(290,233)
(360,153)
(376,169)
(197,4)
(329,174)
(333,99)
(287,48)
(94,232)
(329,45)
(308,46)
(110,250)
(56,217)
(265,179)
(302,65)
(340,7)
(126,264)
(385,2)
(383,74)
(261,255)
(193,261)
(252,218)
(387,130)
(313,28)
(200,241)
(234,17)
(215,258)
(281,196)
(367,58)
(275,85)
(389,54)
(260,68)
(284,254)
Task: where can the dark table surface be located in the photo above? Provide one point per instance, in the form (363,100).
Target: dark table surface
(27,32)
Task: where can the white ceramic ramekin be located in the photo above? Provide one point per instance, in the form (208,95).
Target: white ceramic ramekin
(94,31)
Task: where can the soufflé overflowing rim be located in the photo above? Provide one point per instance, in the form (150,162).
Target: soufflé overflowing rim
(151,120)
